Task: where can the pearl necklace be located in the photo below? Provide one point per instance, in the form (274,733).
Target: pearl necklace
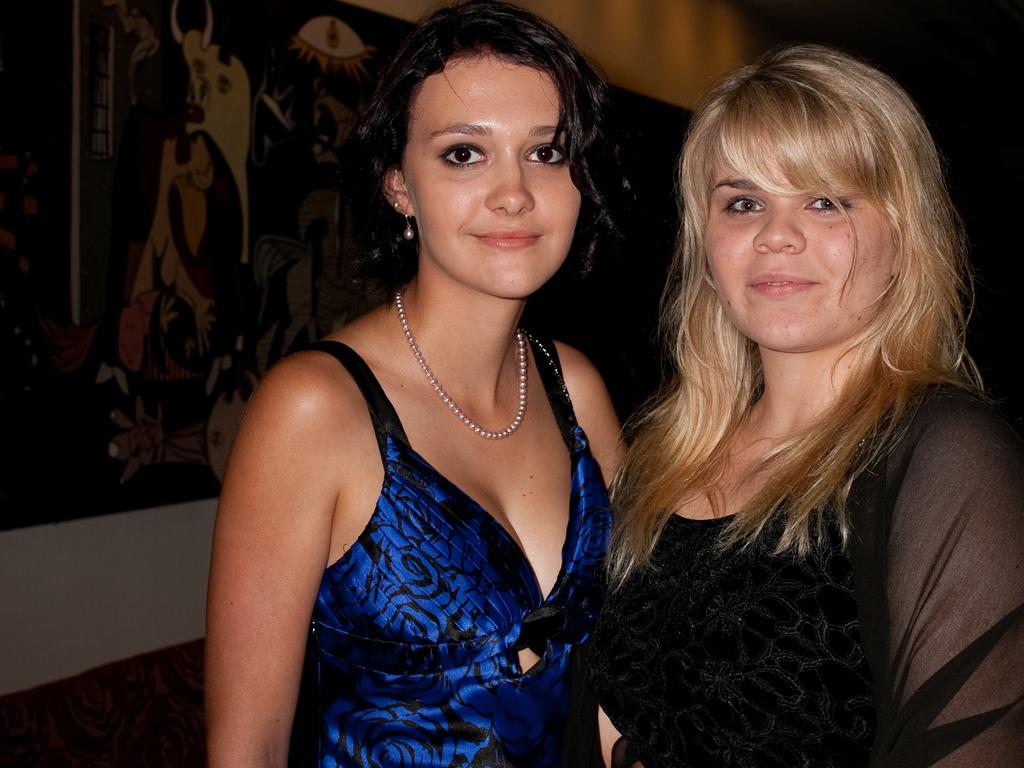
(447,400)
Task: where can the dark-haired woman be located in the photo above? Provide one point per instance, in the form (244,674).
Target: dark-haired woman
(414,506)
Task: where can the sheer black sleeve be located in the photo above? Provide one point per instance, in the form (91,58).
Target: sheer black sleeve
(938,552)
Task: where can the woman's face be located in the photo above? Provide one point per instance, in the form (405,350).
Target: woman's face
(784,266)
(494,204)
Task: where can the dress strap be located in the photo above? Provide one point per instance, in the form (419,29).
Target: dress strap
(550,371)
(382,412)
(386,421)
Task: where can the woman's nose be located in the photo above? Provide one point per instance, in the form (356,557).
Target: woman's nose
(510,191)
(780,232)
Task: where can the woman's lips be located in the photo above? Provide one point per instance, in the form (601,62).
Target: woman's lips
(508,240)
(780,286)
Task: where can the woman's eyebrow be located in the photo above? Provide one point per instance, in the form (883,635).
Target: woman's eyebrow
(465,129)
(746,184)
(542,130)
(475,129)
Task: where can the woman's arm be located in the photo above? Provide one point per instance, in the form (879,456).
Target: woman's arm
(948,655)
(615,750)
(272,541)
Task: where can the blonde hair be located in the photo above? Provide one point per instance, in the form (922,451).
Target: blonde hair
(831,125)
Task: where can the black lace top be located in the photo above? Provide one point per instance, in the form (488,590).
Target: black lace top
(904,649)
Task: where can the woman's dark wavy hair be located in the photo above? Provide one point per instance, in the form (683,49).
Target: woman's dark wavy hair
(459,31)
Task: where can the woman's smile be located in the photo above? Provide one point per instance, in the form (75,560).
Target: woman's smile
(778,286)
(511,240)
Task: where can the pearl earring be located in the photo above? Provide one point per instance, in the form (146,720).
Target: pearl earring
(408,233)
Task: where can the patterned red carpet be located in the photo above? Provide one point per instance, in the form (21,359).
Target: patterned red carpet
(139,712)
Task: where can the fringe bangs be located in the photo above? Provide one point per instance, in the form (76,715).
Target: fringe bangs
(790,140)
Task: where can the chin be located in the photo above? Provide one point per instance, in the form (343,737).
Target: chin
(787,342)
(797,345)
(517,286)
(514,293)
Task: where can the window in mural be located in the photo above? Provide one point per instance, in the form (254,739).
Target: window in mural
(101,90)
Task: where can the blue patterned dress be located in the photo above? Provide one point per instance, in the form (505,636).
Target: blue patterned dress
(412,658)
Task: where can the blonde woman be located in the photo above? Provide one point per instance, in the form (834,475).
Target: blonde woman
(818,554)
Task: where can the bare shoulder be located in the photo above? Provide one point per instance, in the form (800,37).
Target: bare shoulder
(306,392)
(579,373)
(305,433)
(593,407)
(282,484)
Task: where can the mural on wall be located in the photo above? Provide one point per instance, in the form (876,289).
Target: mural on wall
(170,226)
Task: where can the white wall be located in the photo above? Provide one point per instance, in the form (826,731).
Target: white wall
(79,594)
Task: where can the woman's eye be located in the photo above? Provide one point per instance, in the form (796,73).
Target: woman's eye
(548,154)
(743,205)
(462,155)
(827,204)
